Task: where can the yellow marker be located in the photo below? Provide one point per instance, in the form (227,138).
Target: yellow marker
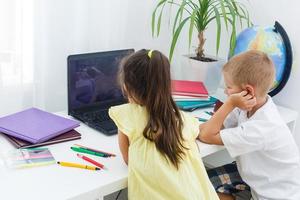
(68,164)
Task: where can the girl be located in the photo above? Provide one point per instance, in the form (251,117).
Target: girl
(157,141)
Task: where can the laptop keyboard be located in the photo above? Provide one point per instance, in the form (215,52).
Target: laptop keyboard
(99,120)
(97,116)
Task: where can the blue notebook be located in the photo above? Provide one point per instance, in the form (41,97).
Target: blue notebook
(35,126)
(192,105)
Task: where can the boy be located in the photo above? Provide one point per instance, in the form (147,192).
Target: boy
(251,129)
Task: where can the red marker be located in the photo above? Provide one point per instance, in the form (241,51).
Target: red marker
(90,160)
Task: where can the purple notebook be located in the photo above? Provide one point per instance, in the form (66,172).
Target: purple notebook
(35,126)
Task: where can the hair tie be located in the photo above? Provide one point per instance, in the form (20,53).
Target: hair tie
(150,53)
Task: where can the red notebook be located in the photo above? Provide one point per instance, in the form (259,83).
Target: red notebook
(68,136)
(189,88)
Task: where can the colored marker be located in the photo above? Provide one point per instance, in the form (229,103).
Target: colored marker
(27,165)
(76,165)
(81,150)
(90,160)
(99,151)
(202,119)
(209,113)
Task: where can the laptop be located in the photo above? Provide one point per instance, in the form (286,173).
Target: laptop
(93,88)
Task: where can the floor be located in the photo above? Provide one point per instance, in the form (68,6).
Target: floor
(123,196)
(113,196)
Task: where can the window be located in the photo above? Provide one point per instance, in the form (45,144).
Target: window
(16,42)
(16,55)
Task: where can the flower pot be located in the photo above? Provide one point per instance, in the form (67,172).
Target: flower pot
(210,73)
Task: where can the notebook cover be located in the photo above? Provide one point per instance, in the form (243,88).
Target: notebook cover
(186,105)
(193,88)
(218,105)
(35,126)
(189,98)
(189,94)
(68,136)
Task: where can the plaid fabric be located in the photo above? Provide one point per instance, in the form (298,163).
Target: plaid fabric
(226,179)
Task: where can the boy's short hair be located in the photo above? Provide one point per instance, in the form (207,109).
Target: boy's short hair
(254,68)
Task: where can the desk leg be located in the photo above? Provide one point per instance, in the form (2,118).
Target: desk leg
(100,198)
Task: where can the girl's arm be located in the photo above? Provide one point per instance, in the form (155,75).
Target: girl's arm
(210,130)
(123,145)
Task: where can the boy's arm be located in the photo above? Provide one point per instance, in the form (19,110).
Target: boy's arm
(123,145)
(210,131)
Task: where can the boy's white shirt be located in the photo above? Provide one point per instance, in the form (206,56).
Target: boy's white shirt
(266,154)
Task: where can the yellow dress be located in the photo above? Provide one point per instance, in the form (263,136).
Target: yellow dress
(150,175)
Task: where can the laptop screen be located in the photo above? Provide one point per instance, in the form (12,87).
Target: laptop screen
(92,79)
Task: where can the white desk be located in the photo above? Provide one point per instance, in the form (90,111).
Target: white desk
(59,183)
(288,115)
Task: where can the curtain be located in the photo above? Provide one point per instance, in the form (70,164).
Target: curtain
(37,36)
(16,53)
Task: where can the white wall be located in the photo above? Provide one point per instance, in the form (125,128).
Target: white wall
(264,13)
(76,26)
(61,28)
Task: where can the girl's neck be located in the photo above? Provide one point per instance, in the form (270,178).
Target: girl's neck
(260,102)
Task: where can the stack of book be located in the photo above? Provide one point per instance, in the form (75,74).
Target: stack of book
(190,95)
(34,127)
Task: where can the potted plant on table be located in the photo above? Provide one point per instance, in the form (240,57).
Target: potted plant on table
(199,14)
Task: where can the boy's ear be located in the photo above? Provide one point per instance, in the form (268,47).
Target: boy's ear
(250,89)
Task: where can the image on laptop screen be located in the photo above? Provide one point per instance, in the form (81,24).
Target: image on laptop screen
(92,78)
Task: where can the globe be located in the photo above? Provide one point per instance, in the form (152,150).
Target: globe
(273,41)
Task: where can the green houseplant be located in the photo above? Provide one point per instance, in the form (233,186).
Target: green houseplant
(199,14)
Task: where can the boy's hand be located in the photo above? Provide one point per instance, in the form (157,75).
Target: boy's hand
(242,100)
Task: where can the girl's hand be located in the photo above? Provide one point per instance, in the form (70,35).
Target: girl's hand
(242,100)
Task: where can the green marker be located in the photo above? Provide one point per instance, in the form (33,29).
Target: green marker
(209,113)
(81,150)
(202,119)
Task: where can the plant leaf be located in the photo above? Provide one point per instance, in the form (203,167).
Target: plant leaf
(154,14)
(232,42)
(192,23)
(218,20)
(170,11)
(175,37)
(201,13)
(233,22)
(224,14)
(159,20)
(236,8)
(179,12)
(246,15)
